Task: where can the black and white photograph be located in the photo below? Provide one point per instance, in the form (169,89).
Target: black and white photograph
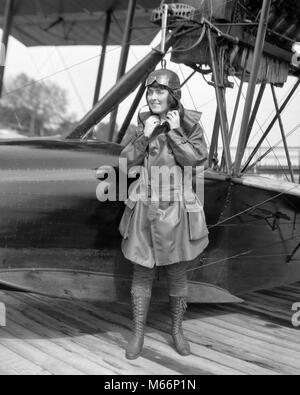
(150,190)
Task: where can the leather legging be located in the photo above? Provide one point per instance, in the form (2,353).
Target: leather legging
(177,280)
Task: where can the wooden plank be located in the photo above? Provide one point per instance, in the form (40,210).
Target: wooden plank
(73,360)
(46,335)
(213,311)
(109,352)
(219,357)
(276,319)
(159,350)
(160,333)
(274,311)
(78,357)
(267,302)
(204,352)
(288,296)
(282,319)
(120,335)
(228,341)
(29,352)
(202,359)
(286,336)
(49,347)
(113,336)
(271,319)
(260,306)
(257,346)
(292,287)
(114,306)
(269,335)
(252,311)
(12,363)
(271,302)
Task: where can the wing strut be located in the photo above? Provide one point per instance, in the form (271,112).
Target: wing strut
(213,152)
(103,55)
(131,112)
(283,134)
(220,94)
(123,59)
(258,52)
(237,104)
(8,16)
(270,127)
(123,88)
(255,110)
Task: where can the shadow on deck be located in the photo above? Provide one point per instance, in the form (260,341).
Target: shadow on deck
(50,336)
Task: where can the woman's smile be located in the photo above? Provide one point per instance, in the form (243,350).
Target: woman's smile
(155,104)
(158,100)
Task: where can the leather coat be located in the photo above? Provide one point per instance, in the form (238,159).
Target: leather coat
(164,227)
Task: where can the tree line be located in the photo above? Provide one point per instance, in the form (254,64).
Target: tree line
(39,108)
(35,108)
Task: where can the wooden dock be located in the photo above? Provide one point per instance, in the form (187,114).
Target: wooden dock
(47,336)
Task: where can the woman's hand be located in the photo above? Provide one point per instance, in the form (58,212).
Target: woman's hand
(150,125)
(173,118)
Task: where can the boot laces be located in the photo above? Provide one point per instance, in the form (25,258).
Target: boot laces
(138,314)
(178,312)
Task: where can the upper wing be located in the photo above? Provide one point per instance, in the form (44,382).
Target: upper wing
(78,22)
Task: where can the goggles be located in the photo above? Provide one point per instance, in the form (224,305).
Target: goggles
(164,80)
(160,80)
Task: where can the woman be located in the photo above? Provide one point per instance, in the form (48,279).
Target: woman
(159,230)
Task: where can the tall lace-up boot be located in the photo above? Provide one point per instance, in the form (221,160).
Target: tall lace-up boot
(178,309)
(140,307)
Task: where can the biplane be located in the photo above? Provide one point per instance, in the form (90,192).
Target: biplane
(57,239)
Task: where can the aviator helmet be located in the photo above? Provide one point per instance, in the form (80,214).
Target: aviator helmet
(168,79)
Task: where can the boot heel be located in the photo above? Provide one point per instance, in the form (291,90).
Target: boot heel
(181,345)
(134,348)
(178,309)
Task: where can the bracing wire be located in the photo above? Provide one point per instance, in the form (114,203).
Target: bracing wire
(90,59)
(194,104)
(121,31)
(274,111)
(274,153)
(82,104)
(275,146)
(254,206)
(246,253)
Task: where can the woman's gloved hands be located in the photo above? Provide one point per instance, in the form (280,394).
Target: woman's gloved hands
(173,119)
(150,125)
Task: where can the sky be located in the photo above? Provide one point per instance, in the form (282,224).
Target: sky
(75,69)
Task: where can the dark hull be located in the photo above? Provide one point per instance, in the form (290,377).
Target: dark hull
(56,238)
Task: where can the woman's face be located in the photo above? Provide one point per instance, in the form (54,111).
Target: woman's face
(158,100)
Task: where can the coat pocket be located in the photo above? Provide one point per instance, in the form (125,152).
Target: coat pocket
(124,227)
(196,220)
